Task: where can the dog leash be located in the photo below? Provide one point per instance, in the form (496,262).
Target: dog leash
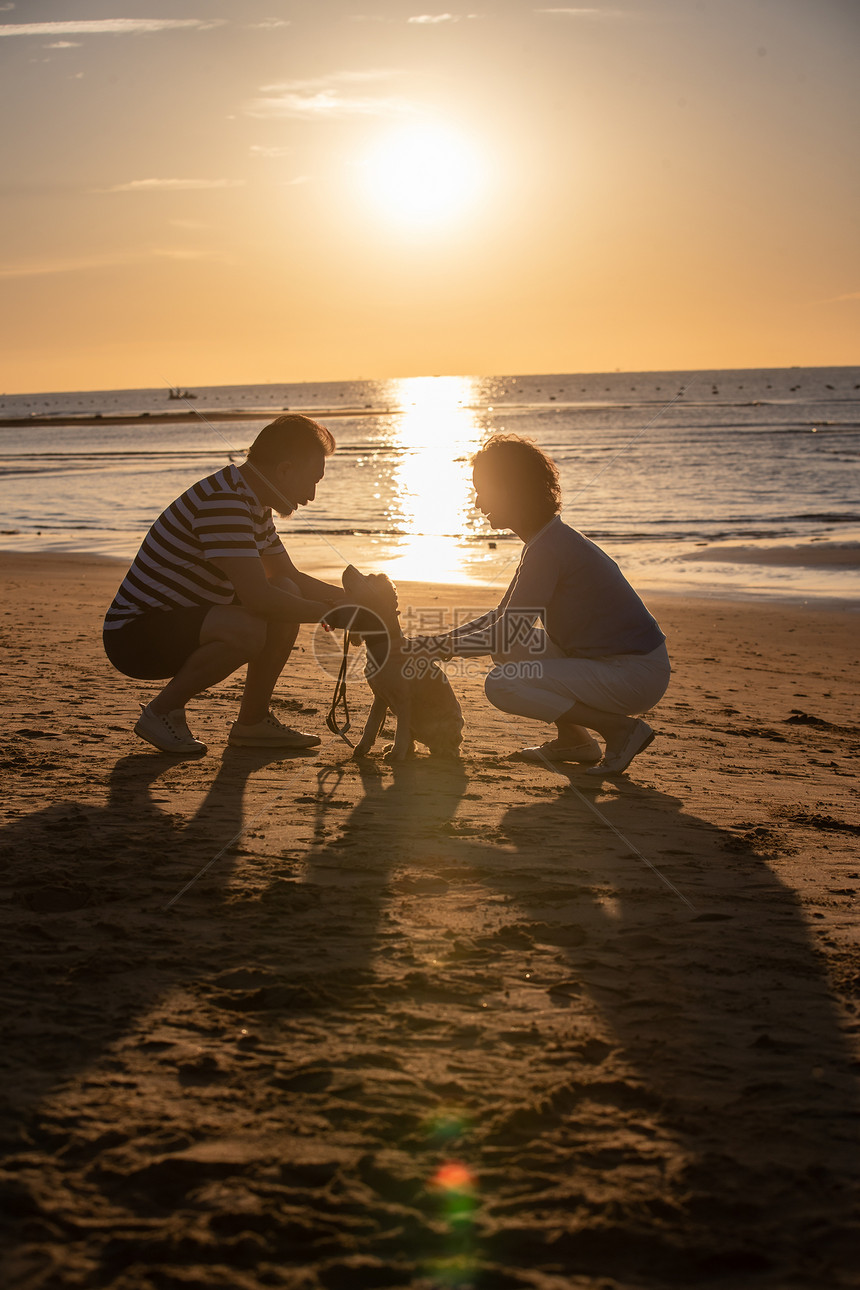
(339,699)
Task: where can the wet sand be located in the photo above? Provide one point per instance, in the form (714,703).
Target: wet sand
(455,1025)
(811,555)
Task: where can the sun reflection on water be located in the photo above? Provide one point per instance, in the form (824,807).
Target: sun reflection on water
(431,499)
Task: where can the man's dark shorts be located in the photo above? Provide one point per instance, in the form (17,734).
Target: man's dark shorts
(154,646)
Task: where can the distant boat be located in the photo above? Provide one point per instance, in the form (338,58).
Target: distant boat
(179,393)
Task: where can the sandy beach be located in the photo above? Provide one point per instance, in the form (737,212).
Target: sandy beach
(479,1024)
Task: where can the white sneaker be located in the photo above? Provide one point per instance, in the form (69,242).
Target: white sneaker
(269,733)
(618,759)
(167,731)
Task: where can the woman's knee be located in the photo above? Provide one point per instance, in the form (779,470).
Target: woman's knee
(521,689)
(501,689)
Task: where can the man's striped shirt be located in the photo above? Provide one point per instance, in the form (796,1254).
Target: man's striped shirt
(217,516)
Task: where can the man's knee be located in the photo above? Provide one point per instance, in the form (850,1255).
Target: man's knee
(249,634)
(237,627)
(278,632)
(286,584)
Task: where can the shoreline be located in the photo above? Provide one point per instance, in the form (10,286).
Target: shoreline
(193,414)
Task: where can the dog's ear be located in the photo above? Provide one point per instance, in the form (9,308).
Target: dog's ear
(354,580)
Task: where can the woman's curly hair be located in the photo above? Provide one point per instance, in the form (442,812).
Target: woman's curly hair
(520,465)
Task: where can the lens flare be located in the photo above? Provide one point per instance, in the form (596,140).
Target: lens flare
(454,1178)
(456,1189)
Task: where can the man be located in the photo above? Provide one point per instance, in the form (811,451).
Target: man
(212,588)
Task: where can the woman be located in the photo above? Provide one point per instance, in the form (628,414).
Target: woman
(599,658)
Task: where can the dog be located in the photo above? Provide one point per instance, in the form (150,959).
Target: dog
(416,690)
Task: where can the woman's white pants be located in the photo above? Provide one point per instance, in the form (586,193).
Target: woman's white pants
(535,679)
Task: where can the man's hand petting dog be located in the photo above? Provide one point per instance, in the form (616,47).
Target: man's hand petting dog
(412,686)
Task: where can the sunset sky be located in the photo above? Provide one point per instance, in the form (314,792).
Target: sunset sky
(230,191)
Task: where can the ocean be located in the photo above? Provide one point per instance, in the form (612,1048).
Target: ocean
(740,483)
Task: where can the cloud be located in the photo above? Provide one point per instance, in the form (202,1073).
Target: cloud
(433,18)
(34,270)
(835,300)
(326,103)
(324,98)
(105,26)
(64,44)
(269,23)
(170,185)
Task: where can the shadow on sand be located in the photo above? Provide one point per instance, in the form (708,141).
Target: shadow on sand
(663,1097)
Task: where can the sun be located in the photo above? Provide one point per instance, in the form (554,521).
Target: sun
(424,174)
